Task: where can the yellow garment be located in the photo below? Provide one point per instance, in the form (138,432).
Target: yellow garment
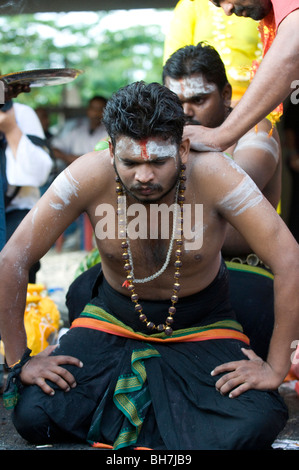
(2,354)
(41,319)
(236,39)
(278,209)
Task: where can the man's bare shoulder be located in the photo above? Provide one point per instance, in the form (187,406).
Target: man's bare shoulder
(265,126)
(97,161)
(213,173)
(259,149)
(84,182)
(93,168)
(208,163)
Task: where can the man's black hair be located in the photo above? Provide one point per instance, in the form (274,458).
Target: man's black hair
(200,59)
(141,110)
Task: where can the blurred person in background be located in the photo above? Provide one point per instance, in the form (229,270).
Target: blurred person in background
(25,164)
(83,137)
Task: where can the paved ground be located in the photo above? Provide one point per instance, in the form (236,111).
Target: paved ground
(11,440)
(289,437)
(57,273)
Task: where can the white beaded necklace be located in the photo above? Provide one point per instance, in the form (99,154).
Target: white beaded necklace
(166,263)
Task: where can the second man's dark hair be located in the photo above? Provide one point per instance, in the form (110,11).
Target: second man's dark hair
(200,59)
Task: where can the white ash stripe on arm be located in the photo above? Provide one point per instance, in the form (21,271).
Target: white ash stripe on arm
(259,140)
(241,198)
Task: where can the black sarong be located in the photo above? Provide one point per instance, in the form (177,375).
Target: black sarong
(159,395)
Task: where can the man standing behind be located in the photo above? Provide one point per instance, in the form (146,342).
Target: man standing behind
(276,75)
(197,75)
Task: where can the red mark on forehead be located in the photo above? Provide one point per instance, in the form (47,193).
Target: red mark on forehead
(181,80)
(143,149)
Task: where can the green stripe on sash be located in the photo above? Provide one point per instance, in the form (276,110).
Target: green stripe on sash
(133,405)
(132,398)
(245,267)
(11,397)
(98,313)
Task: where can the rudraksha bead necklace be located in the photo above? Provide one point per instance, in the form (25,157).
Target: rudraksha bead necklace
(128,266)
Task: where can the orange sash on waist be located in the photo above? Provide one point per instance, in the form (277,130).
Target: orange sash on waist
(97,319)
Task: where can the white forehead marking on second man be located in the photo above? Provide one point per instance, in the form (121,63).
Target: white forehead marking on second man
(191,86)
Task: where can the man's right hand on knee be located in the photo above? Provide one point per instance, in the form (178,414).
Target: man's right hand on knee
(44,367)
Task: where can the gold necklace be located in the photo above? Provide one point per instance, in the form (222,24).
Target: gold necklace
(128,263)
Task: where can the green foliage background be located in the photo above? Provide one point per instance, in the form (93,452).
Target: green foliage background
(109,59)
